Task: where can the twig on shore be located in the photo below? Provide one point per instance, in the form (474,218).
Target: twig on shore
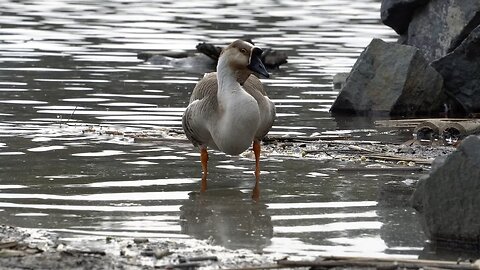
(380,169)
(399,158)
(379,263)
(411,123)
(302,139)
(260,267)
(71,115)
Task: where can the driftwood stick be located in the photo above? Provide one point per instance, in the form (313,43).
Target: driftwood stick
(361,149)
(398,158)
(380,169)
(351,142)
(179,266)
(8,244)
(413,122)
(277,139)
(260,267)
(379,263)
(158,139)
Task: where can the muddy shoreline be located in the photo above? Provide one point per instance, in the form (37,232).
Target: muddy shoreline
(36,249)
(355,149)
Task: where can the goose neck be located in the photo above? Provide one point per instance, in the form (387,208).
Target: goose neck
(226,77)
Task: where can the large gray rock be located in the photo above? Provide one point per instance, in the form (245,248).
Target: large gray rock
(398,13)
(390,79)
(461,72)
(440,25)
(448,199)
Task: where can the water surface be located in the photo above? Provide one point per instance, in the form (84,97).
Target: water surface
(71,87)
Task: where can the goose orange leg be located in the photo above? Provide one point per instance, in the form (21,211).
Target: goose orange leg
(204,160)
(256,189)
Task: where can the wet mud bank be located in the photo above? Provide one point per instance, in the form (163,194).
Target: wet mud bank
(34,249)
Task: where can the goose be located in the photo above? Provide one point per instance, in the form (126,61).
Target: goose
(206,58)
(229,109)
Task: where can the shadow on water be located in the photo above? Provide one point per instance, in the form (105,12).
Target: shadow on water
(228,217)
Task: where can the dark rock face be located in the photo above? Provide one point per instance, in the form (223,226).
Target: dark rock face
(461,72)
(440,25)
(448,198)
(398,13)
(390,79)
(472,24)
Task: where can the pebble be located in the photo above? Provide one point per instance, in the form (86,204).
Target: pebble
(140,240)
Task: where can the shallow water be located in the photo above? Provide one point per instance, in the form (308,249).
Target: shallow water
(70,79)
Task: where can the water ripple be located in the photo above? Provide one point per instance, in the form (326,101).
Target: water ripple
(72,92)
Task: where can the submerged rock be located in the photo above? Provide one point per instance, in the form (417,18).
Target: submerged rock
(461,72)
(440,26)
(391,79)
(398,13)
(448,198)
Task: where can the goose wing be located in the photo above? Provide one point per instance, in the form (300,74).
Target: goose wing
(201,111)
(206,87)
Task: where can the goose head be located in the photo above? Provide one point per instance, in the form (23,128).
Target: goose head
(243,59)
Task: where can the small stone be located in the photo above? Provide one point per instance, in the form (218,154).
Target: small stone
(148,252)
(140,240)
(160,253)
(109,239)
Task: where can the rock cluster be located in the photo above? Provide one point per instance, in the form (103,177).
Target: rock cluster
(433,70)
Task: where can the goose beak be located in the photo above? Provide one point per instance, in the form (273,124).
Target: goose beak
(256,64)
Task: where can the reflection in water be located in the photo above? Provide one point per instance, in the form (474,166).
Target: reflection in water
(227,216)
(400,230)
(434,252)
